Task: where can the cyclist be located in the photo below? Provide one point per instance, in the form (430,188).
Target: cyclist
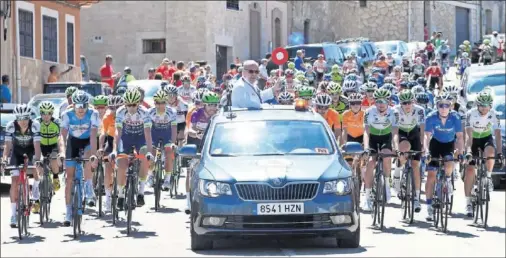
(335,74)
(186,91)
(458,103)
(442,127)
(142,102)
(411,127)
(310,75)
(481,123)
(199,121)
(322,103)
(79,127)
(49,133)
(418,69)
(64,105)
(487,52)
(181,108)
(369,88)
(288,80)
(380,130)
(353,120)
(434,75)
(339,102)
(106,142)
(464,62)
(133,129)
(306,93)
(422,99)
(285,98)
(350,87)
(22,136)
(100,104)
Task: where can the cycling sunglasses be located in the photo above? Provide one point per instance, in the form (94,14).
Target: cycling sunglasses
(100,107)
(46,113)
(354,103)
(254,71)
(483,106)
(212,105)
(160,102)
(443,105)
(80,105)
(322,107)
(131,105)
(381,101)
(406,103)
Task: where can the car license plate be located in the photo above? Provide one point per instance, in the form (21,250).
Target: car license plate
(280,208)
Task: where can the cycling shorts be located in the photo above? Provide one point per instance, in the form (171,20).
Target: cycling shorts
(108,144)
(49,150)
(17,160)
(439,149)
(359,139)
(383,141)
(181,127)
(414,139)
(74,146)
(480,143)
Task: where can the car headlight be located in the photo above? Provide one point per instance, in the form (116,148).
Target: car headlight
(214,189)
(339,187)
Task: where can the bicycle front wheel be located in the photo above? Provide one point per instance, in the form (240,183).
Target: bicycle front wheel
(21,210)
(157,183)
(478,207)
(486,201)
(42,199)
(76,204)
(383,200)
(114,199)
(130,203)
(100,188)
(26,207)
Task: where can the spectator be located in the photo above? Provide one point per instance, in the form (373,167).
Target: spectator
(54,76)
(107,74)
(299,61)
(320,67)
(180,66)
(5,92)
(166,70)
(127,77)
(425,32)
(176,78)
(233,70)
(158,76)
(151,74)
(237,61)
(270,65)
(246,93)
(263,76)
(494,42)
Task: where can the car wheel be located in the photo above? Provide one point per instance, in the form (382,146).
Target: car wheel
(352,242)
(198,242)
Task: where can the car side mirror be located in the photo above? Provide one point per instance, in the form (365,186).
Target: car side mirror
(188,151)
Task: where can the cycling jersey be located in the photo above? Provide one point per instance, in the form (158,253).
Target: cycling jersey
(332,118)
(418,69)
(460,108)
(132,127)
(341,106)
(354,123)
(22,141)
(380,124)
(408,122)
(162,123)
(186,93)
(80,127)
(181,109)
(62,108)
(108,123)
(443,133)
(200,119)
(366,103)
(336,77)
(49,133)
(189,116)
(482,125)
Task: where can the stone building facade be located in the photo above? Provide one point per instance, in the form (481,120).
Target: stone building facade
(212,31)
(321,21)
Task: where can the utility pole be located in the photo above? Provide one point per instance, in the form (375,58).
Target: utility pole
(481,19)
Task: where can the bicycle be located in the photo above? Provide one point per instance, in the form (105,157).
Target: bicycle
(353,157)
(441,201)
(98,179)
(158,174)
(114,196)
(408,190)
(378,189)
(77,193)
(176,173)
(46,190)
(131,190)
(481,192)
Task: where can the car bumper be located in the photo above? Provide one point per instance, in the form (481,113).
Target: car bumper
(240,219)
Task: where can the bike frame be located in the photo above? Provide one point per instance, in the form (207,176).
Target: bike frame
(24,203)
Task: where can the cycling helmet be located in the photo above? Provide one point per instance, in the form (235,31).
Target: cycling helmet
(370,86)
(327,77)
(411,84)
(285,97)
(70,90)
(465,54)
(390,87)
(350,77)
(466,42)
(114,101)
(349,86)
(404,76)
(422,98)
(324,85)
(404,58)
(388,79)
(306,92)
(334,88)
(372,79)
(160,96)
(444,97)
(382,94)
(273,72)
(186,78)
(22,111)
(132,96)
(289,72)
(486,42)
(121,90)
(197,95)
(323,99)
(100,100)
(462,46)
(300,77)
(355,97)
(201,79)
(403,84)
(210,97)
(171,89)
(46,107)
(80,97)
(335,68)
(484,98)
(406,96)
(421,81)
(451,89)
(397,68)
(417,89)
(290,65)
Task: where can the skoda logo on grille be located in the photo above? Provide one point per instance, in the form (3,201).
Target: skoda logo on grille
(277,181)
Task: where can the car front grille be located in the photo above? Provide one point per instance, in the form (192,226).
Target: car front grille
(265,192)
(279,222)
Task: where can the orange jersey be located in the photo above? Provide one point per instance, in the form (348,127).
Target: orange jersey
(108,123)
(332,118)
(354,123)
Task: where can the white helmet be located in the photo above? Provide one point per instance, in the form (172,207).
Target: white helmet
(349,85)
(22,111)
(451,89)
(323,99)
(355,97)
(80,97)
(115,101)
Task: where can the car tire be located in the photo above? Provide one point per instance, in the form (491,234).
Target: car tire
(198,243)
(352,242)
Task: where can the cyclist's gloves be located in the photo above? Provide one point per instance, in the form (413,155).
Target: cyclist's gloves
(149,156)
(113,155)
(93,158)
(469,156)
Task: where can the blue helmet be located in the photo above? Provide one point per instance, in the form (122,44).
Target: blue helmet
(404,84)
(422,98)
(421,81)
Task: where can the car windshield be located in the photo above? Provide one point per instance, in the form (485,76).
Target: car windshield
(478,82)
(310,52)
(264,138)
(6,118)
(348,48)
(500,110)
(387,47)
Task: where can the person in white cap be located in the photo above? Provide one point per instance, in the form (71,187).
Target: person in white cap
(494,42)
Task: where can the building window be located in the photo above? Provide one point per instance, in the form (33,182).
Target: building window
(70,43)
(153,46)
(277,32)
(50,38)
(233,4)
(25,33)
(363,3)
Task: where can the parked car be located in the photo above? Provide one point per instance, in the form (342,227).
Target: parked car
(92,88)
(149,86)
(55,98)
(414,47)
(398,48)
(365,51)
(476,78)
(330,51)
(287,177)
(498,174)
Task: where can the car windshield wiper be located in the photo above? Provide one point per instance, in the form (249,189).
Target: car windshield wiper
(269,154)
